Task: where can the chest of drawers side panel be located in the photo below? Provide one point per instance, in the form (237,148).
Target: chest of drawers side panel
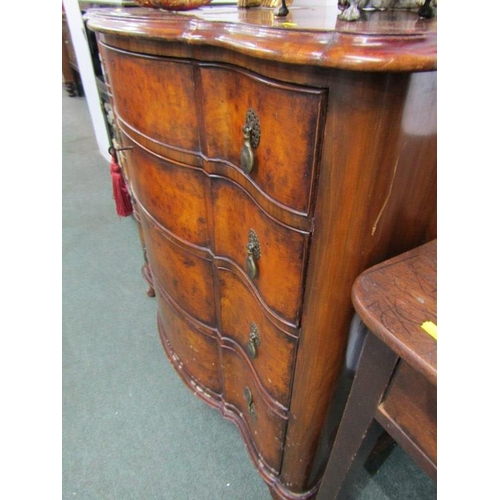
(376,195)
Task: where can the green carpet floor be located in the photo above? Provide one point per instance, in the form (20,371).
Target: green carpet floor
(131,429)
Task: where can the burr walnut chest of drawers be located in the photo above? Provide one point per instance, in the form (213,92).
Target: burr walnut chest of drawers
(270,162)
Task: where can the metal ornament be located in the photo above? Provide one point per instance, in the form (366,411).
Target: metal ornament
(254,340)
(253,253)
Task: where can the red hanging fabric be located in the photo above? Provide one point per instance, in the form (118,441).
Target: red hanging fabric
(121,195)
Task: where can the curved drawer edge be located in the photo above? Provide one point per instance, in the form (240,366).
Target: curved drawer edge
(211,398)
(274,405)
(168,152)
(199,251)
(216,401)
(207,330)
(231,413)
(286,326)
(224,342)
(217,168)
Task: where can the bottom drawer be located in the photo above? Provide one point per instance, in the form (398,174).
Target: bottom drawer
(194,353)
(265,428)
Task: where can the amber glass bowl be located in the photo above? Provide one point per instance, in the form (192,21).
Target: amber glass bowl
(173,4)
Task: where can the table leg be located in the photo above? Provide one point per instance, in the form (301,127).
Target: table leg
(358,431)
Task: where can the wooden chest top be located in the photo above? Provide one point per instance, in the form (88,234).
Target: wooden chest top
(310,34)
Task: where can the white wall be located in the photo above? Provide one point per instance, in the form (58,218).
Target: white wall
(84,60)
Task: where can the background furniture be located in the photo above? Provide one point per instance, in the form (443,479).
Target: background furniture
(395,383)
(72,78)
(269,167)
(70,71)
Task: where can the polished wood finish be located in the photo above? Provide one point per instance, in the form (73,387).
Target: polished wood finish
(193,291)
(281,264)
(171,89)
(265,425)
(409,408)
(275,354)
(395,387)
(170,193)
(407,298)
(344,176)
(193,348)
(287,151)
(399,41)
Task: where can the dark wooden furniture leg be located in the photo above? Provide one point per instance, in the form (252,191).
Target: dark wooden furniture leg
(67,72)
(358,431)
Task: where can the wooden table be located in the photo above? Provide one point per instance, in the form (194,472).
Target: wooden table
(396,380)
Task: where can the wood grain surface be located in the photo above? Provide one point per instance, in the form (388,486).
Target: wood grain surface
(395,298)
(314,35)
(345,177)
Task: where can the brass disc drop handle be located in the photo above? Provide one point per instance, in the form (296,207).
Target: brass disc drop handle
(251,138)
(254,341)
(253,254)
(249,400)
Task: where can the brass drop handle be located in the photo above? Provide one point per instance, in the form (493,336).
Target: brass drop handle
(249,400)
(253,254)
(251,138)
(254,341)
(247,156)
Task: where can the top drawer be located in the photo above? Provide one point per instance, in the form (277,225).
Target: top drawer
(202,108)
(155,96)
(290,119)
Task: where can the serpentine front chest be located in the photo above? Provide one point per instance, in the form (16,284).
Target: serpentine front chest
(271,162)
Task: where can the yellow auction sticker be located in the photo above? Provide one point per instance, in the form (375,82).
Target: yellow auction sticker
(431,328)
